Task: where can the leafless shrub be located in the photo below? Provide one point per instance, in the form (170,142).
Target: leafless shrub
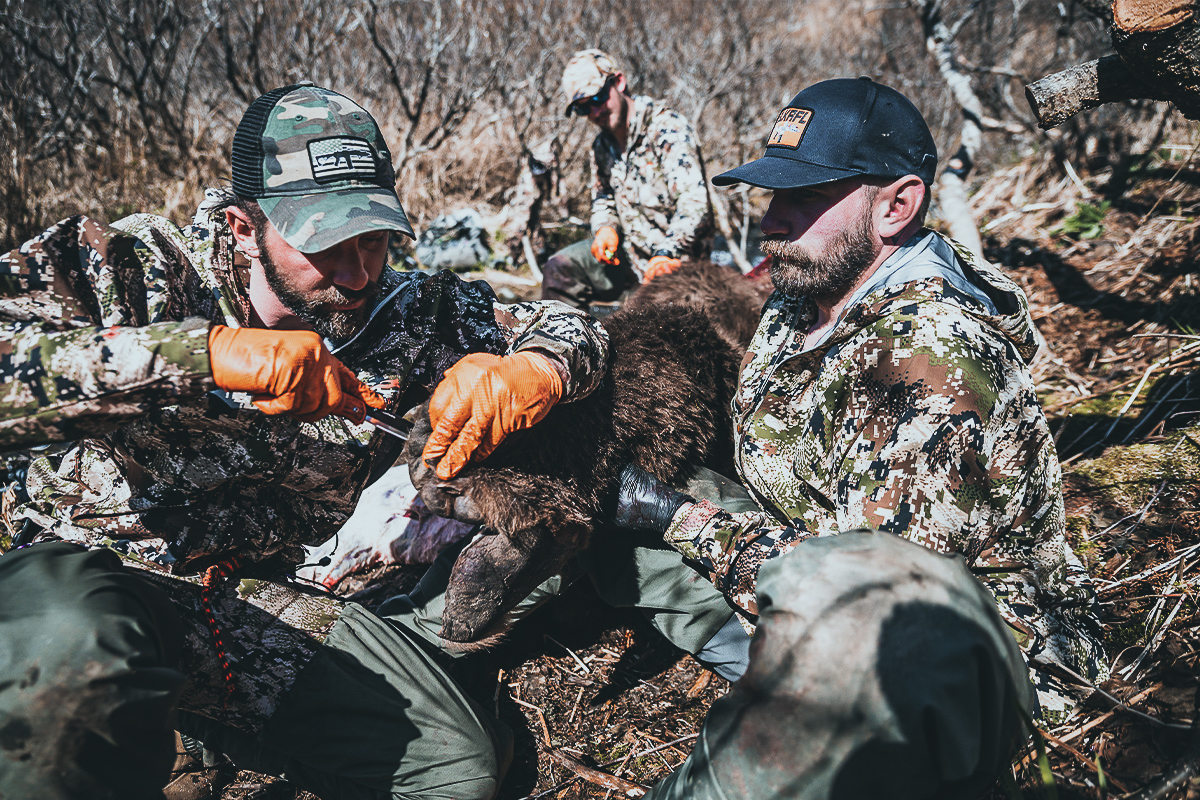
(108,105)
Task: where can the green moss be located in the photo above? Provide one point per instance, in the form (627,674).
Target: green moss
(1129,476)
(1118,637)
(1078,528)
(1087,222)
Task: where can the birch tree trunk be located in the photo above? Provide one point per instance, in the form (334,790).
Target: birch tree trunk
(952,184)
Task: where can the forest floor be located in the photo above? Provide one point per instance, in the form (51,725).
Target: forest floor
(600,704)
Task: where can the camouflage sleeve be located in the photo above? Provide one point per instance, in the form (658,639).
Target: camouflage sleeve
(730,548)
(917,466)
(76,355)
(73,384)
(604,206)
(678,151)
(575,342)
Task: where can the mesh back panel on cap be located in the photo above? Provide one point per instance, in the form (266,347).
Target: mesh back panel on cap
(247,143)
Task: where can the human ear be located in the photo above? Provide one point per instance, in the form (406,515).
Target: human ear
(243,231)
(619,82)
(900,203)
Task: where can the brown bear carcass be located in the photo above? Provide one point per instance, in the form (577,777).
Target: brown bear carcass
(664,405)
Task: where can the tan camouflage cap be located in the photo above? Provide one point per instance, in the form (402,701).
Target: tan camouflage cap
(317,164)
(585,74)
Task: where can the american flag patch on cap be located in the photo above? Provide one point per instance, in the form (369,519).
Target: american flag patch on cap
(341,158)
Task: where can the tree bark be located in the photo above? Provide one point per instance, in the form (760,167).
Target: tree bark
(1058,97)
(1159,40)
(952,184)
(1157,45)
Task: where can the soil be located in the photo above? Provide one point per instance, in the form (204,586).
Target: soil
(581,682)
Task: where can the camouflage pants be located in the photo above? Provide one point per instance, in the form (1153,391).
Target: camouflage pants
(99,662)
(879,669)
(573,276)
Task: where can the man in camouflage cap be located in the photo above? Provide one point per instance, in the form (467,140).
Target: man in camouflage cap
(887,388)
(650,203)
(205,395)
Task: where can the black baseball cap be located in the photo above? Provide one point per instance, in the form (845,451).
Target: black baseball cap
(838,129)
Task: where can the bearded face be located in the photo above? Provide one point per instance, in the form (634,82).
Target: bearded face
(827,276)
(323,309)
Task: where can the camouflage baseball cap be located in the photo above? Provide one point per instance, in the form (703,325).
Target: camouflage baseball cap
(585,75)
(317,164)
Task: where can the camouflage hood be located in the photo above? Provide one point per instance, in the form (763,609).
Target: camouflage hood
(987,295)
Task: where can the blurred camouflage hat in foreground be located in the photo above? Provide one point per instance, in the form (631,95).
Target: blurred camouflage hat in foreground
(586,74)
(317,164)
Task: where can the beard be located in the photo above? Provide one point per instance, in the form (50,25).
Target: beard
(314,307)
(828,277)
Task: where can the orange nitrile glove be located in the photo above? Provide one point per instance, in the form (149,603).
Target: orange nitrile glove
(660,265)
(605,244)
(482,399)
(287,372)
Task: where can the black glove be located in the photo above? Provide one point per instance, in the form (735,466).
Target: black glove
(644,503)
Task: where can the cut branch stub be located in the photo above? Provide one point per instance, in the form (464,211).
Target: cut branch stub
(1157,45)
(1058,97)
(1159,40)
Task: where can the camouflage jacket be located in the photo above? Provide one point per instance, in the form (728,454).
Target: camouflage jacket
(105,346)
(916,416)
(655,192)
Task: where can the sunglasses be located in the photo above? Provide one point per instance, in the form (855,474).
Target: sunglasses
(584,105)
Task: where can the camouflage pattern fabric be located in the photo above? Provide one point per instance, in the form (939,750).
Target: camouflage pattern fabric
(213,481)
(105,343)
(327,173)
(654,193)
(270,631)
(585,75)
(917,417)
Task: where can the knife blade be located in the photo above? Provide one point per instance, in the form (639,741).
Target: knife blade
(389,423)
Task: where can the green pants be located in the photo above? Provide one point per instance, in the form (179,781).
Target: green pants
(879,669)
(90,678)
(574,276)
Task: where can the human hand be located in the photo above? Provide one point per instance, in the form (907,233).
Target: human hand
(482,399)
(287,372)
(659,266)
(644,503)
(605,244)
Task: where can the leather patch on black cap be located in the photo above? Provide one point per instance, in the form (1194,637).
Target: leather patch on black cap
(789,127)
(340,158)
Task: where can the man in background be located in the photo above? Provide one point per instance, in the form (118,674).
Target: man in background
(650,203)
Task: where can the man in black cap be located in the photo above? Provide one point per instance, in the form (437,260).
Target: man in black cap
(886,391)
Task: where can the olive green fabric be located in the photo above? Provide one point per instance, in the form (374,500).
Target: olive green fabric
(89,685)
(88,677)
(574,276)
(372,717)
(879,669)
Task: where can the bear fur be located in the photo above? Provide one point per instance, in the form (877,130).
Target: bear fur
(665,405)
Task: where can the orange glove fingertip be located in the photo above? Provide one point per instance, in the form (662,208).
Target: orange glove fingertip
(605,244)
